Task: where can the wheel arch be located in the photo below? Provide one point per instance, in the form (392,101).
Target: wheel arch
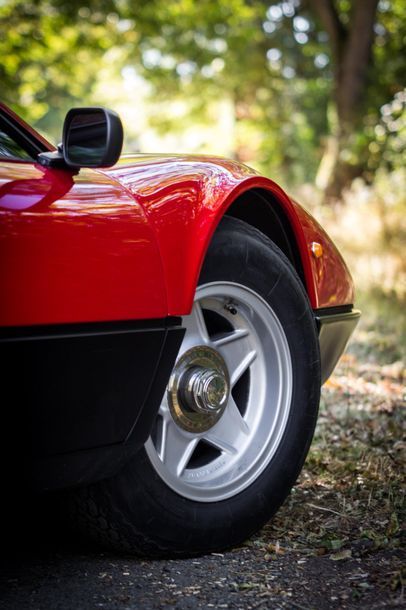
(184,200)
(262,209)
(257,201)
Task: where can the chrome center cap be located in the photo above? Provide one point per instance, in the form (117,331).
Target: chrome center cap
(198,389)
(204,390)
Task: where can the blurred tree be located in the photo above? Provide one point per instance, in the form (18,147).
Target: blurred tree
(352,28)
(265,59)
(295,73)
(351,34)
(51,54)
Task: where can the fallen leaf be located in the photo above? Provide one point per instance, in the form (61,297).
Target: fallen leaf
(346,554)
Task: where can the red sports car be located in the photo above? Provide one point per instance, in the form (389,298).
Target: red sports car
(166,322)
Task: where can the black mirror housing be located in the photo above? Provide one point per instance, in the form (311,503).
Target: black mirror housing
(92,137)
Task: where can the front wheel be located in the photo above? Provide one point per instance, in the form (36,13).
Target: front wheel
(235,425)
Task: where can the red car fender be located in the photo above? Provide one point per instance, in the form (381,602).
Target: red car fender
(184,199)
(74,248)
(333,284)
(128,243)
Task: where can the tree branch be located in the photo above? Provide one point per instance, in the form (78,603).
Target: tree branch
(331,22)
(357,59)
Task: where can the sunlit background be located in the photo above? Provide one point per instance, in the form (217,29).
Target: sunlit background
(310,92)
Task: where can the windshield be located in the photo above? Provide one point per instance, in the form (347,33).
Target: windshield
(10,149)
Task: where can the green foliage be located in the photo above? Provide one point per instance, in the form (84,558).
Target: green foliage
(271,61)
(265,59)
(50,61)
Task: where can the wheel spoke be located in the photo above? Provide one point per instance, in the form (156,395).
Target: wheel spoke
(226,434)
(233,337)
(196,331)
(164,409)
(237,352)
(176,447)
(240,369)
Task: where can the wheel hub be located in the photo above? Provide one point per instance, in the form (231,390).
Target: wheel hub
(198,389)
(203,390)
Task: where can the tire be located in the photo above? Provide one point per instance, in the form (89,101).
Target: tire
(222,456)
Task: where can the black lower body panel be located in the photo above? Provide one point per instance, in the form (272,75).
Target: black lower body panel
(78,400)
(336,326)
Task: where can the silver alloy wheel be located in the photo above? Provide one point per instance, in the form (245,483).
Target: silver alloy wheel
(226,454)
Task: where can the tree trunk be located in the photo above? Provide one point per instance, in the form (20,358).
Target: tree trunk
(351,51)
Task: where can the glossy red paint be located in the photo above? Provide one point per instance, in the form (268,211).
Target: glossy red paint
(74,248)
(184,197)
(129,242)
(332,280)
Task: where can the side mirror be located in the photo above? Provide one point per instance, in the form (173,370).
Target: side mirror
(92,137)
